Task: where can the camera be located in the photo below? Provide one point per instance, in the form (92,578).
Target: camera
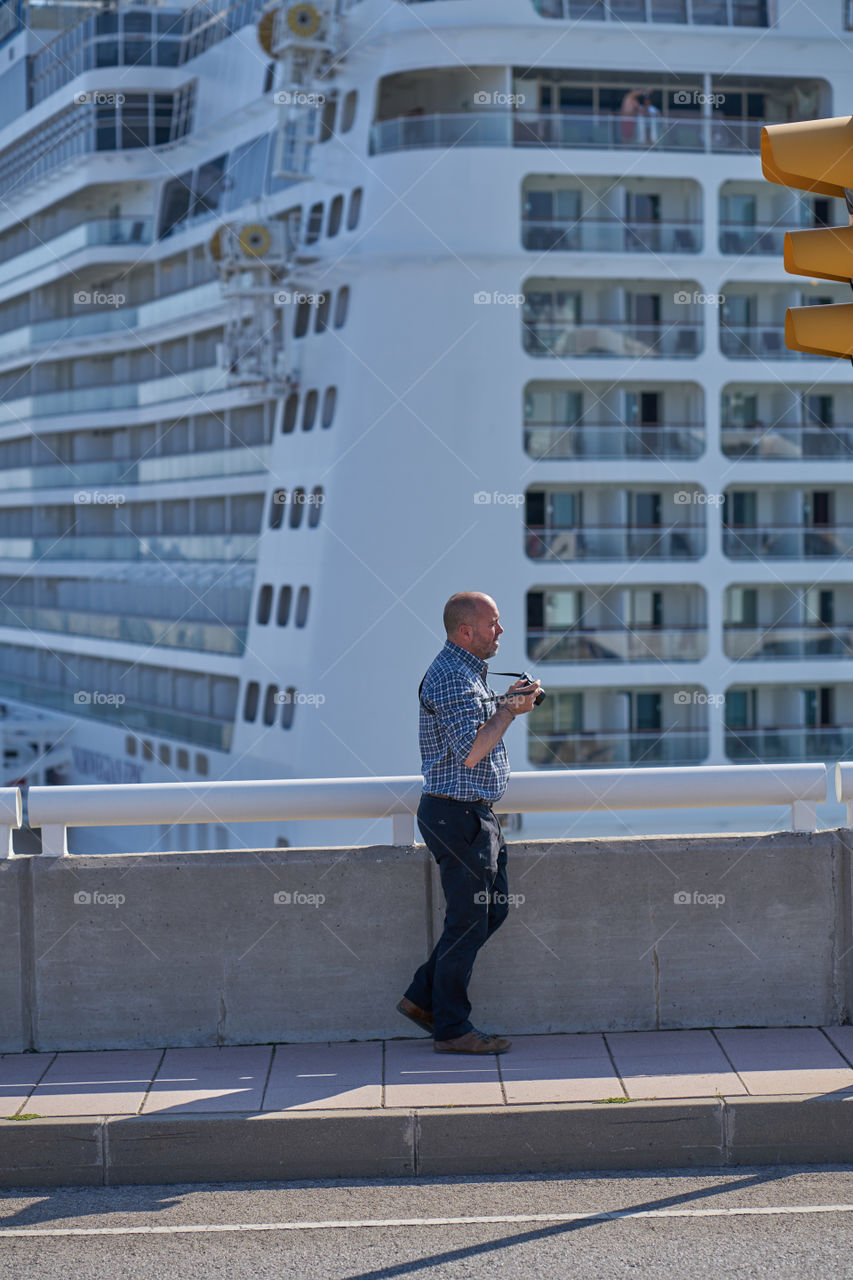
(540,697)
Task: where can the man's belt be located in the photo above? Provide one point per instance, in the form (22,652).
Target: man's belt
(455,800)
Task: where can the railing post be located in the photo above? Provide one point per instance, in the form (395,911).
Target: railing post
(53,841)
(803,816)
(11,812)
(403,828)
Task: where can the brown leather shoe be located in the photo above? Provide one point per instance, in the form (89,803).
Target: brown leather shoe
(415,1014)
(473,1041)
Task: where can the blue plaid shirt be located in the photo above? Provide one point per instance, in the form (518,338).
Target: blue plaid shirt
(455,701)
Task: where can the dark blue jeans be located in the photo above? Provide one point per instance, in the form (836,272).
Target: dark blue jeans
(466,842)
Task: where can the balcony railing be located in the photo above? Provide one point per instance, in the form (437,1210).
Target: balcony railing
(617,644)
(613,440)
(720,13)
(70,239)
(739,237)
(190,383)
(746,341)
(789,742)
(787,541)
(160,546)
(806,640)
(496,128)
(605,747)
(186,634)
(787,441)
(611,235)
(243,460)
(613,339)
(617,542)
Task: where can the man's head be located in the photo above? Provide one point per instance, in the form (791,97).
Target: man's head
(472,621)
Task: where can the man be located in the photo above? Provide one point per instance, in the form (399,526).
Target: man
(465,768)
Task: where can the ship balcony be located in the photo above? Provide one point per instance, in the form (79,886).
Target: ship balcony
(587,319)
(554,440)
(789,722)
(146,470)
(601,727)
(187,385)
(613,339)
(768,622)
(754,216)
(225,638)
(627,419)
(615,623)
(124,235)
(787,440)
(718,13)
(752,319)
(787,420)
(782,640)
(610,235)
(675,541)
(611,215)
(751,745)
(606,523)
(93,546)
(788,541)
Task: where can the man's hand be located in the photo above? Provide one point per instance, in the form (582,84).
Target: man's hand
(520,697)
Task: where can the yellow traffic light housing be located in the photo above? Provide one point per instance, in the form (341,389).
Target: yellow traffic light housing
(815,156)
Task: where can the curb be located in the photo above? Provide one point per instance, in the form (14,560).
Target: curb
(290,1146)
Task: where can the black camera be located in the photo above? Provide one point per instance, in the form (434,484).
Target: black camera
(540,697)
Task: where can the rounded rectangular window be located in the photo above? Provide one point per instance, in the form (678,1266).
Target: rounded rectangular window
(297,506)
(130,746)
(270,703)
(278,502)
(348,110)
(315,506)
(291,408)
(264,604)
(327,120)
(314,229)
(303,319)
(322,321)
(147,750)
(201,765)
(354,209)
(341,307)
(285,596)
(288,706)
(329,402)
(250,702)
(309,414)
(183,759)
(165,753)
(302,606)
(336,213)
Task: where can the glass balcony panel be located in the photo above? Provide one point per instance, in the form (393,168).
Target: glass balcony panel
(610,235)
(225,546)
(613,440)
(828,742)
(617,644)
(787,441)
(768,643)
(601,747)
(613,340)
(203,637)
(617,542)
(787,542)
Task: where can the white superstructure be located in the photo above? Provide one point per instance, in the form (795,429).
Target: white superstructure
(313,313)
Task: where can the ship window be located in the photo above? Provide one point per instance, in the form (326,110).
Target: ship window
(315,504)
(285,596)
(135,131)
(321,322)
(329,401)
(130,746)
(270,702)
(309,415)
(288,706)
(297,506)
(264,604)
(348,111)
(208,186)
(246,171)
(147,750)
(315,224)
(327,120)
(303,319)
(291,407)
(354,209)
(201,765)
(302,606)
(277,505)
(336,211)
(269,77)
(176,203)
(250,702)
(183,758)
(165,753)
(341,307)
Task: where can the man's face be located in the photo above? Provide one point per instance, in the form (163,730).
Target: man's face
(485,631)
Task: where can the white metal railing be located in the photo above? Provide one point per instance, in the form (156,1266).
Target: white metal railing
(844,786)
(55,809)
(11,812)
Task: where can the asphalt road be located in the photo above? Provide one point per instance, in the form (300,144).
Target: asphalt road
(782,1222)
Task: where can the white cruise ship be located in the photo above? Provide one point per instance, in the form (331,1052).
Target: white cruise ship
(311,315)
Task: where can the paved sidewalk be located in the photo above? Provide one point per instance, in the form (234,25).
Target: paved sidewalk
(392,1108)
(616,1066)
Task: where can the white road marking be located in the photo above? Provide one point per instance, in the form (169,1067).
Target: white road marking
(604,1215)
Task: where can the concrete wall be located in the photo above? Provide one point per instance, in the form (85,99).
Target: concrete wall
(194,949)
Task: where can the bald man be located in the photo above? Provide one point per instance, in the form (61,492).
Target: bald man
(465,768)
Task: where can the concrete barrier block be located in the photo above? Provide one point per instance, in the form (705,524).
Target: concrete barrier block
(789,1130)
(275,1146)
(225,948)
(13,1038)
(631,1135)
(51,1153)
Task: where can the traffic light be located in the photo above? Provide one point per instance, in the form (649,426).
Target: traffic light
(816,156)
